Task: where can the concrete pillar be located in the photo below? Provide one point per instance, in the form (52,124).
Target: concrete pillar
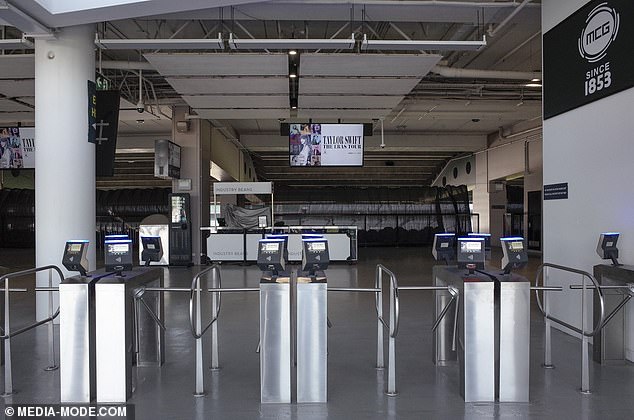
(65,173)
(481,191)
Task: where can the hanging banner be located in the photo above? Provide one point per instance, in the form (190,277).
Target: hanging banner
(17,148)
(588,56)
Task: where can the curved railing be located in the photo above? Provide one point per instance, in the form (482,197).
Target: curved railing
(585,335)
(7,334)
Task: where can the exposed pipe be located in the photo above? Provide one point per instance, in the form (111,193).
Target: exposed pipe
(508,18)
(485,74)
(126,65)
(444,3)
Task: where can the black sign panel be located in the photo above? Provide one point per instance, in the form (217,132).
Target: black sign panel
(92,110)
(556,191)
(106,127)
(588,56)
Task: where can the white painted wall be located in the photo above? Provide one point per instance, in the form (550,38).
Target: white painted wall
(591,148)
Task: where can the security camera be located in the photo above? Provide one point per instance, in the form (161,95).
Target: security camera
(140,107)
(382,145)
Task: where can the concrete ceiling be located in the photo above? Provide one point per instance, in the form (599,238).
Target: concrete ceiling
(248,91)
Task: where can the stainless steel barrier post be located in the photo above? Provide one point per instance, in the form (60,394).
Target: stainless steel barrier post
(51,328)
(200,385)
(380,359)
(275,342)
(548,354)
(8,375)
(215,307)
(391,370)
(585,343)
(311,362)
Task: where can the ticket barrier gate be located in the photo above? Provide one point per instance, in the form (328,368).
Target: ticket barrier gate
(617,283)
(103,333)
(473,327)
(312,329)
(488,333)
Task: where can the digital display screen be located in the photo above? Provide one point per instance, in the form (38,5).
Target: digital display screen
(516,246)
(118,248)
(609,244)
(444,244)
(471,246)
(150,246)
(178,210)
(317,246)
(326,144)
(74,247)
(270,247)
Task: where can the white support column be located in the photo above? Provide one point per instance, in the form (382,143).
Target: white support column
(65,173)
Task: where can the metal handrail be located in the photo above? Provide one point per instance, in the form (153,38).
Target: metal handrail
(629,287)
(196,288)
(380,269)
(7,334)
(455,295)
(599,325)
(393,324)
(585,343)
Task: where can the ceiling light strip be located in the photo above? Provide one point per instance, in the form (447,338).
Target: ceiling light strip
(291,44)
(405,45)
(161,44)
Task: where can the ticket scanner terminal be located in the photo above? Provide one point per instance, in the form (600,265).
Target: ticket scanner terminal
(271,255)
(444,247)
(118,255)
(285,239)
(315,256)
(75,256)
(471,251)
(487,243)
(152,249)
(514,254)
(607,247)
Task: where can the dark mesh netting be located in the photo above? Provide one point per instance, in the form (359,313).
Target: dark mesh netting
(383,216)
(118,212)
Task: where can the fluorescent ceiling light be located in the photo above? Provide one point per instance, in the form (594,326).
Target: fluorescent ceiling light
(406,45)
(161,44)
(291,43)
(16,44)
(24,22)
(534,85)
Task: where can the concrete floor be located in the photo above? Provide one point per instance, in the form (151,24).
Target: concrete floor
(355,388)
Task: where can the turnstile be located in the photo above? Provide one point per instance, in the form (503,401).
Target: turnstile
(609,342)
(512,324)
(126,333)
(77,340)
(312,330)
(492,341)
(475,335)
(275,339)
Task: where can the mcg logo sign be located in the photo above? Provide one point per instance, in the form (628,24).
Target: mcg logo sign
(602,26)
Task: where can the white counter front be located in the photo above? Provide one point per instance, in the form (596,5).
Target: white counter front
(228,244)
